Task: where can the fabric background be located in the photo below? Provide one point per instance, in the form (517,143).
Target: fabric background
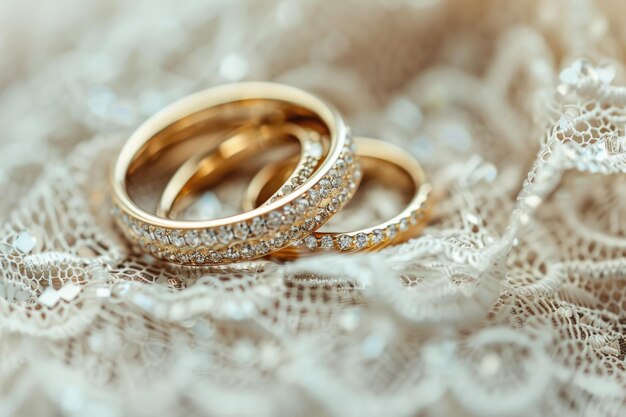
(512,303)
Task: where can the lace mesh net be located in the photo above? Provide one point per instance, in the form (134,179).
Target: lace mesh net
(513,302)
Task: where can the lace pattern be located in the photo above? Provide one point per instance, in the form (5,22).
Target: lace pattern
(511,303)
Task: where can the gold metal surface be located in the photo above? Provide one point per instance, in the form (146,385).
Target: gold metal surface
(231,111)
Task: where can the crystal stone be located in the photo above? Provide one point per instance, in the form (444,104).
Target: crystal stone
(345,242)
(258,226)
(360,241)
(225,234)
(177,238)
(241,231)
(192,238)
(377,236)
(274,220)
(208,237)
(326,242)
(301,205)
(310,242)
(161,236)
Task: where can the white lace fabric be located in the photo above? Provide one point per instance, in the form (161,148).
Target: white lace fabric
(513,301)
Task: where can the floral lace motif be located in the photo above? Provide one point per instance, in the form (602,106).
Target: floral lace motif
(511,303)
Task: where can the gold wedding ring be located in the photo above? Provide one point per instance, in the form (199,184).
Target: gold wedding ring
(205,169)
(204,120)
(378,159)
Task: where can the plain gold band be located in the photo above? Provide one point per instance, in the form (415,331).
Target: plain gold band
(205,168)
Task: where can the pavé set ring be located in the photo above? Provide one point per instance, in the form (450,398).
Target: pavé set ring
(196,141)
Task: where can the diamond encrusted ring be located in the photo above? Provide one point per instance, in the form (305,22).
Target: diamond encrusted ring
(380,160)
(204,120)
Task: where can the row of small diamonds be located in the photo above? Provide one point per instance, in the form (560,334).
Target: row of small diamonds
(245,251)
(299,177)
(314,151)
(240,232)
(347,242)
(200,246)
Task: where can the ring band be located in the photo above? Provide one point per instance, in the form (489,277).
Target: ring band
(204,169)
(254,233)
(374,155)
